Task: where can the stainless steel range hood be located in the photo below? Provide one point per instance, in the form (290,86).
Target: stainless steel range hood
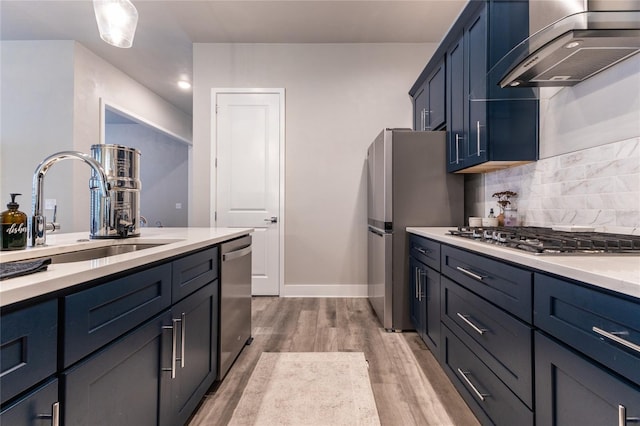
(575,47)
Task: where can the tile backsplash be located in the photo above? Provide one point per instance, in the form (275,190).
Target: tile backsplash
(597,186)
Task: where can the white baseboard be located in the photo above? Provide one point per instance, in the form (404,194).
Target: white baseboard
(325,290)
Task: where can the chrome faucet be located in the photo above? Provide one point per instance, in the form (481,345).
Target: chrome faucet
(39,224)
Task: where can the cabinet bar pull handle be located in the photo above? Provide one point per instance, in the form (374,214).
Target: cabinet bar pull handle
(471,274)
(616,339)
(419,285)
(482,396)
(423,251)
(417,282)
(182,338)
(55,414)
(465,318)
(478,131)
(622,416)
(422,120)
(173,348)
(457,151)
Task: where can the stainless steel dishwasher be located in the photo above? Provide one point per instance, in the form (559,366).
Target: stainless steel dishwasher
(235,301)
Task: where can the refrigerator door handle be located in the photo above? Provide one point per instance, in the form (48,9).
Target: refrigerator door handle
(375,231)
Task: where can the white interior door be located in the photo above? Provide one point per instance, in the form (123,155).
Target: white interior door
(248,132)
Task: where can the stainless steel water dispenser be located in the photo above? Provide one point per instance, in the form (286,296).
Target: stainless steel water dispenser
(116,216)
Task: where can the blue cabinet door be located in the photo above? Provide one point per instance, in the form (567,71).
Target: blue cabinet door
(571,390)
(124,383)
(430,283)
(455,106)
(475,82)
(196,319)
(436,88)
(420,107)
(429,101)
(417,308)
(425,304)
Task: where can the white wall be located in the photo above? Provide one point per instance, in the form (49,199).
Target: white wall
(590,136)
(338,98)
(36,104)
(51,94)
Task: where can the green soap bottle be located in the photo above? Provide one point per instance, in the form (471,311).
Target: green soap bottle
(14,227)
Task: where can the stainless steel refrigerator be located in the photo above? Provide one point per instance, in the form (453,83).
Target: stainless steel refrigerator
(408,185)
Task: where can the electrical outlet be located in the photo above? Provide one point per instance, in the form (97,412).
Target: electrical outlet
(178,206)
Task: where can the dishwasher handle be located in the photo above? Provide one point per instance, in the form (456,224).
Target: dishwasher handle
(236,253)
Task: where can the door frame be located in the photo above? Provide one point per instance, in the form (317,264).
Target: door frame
(214,175)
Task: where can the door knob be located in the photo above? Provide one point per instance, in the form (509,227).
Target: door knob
(273,219)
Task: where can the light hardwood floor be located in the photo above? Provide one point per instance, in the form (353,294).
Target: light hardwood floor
(408,385)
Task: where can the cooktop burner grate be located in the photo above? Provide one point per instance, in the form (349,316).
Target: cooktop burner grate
(540,240)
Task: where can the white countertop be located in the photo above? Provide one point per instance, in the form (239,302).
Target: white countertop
(620,273)
(60,276)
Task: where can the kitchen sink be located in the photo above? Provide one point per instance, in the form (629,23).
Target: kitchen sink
(99,252)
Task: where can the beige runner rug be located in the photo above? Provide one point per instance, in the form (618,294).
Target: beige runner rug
(308,388)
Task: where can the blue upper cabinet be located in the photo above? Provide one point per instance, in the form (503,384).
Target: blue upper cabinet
(455,106)
(420,106)
(429,101)
(475,36)
(488,128)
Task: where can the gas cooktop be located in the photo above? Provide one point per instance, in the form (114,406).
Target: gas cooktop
(538,240)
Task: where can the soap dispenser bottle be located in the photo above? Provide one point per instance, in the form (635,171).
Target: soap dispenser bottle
(14,227)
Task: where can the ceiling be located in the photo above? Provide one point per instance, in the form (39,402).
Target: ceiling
(162,48)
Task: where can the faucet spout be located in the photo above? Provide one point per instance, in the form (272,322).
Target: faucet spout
(38,221)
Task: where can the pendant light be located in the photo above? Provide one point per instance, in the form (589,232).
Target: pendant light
(117,20)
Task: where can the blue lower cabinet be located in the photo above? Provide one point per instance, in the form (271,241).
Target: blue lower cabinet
(502,342)
(488,397)
(425,304)
(28,347)
(194,361)
(125,383)
(38,408)
(603,326)
(572,390)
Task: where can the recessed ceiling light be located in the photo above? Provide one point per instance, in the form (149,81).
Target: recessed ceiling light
(514,83)
(184,84)
(572,44)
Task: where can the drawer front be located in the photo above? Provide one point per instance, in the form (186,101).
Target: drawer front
(28,347)
(425,250)
(502,342)
(96,316)
(600,325)
(193,272)
(32,408)
(504,285)
(489,398)
(571,390)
